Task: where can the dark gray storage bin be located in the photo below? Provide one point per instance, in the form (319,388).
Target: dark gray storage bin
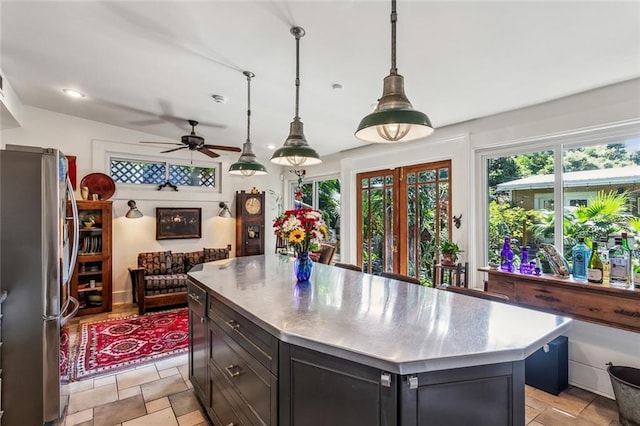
(549,370)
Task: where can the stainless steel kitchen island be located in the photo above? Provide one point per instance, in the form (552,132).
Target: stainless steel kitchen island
(352,348)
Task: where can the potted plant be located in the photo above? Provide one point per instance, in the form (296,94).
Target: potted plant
(449,251)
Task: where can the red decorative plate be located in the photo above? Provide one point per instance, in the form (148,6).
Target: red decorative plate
(100,184)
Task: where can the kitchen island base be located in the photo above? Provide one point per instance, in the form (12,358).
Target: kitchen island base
(351,348)
(315,389)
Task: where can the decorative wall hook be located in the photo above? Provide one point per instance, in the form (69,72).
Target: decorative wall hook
(457,221)
(169,184)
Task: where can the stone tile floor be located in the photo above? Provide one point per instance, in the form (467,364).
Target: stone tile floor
(160,394)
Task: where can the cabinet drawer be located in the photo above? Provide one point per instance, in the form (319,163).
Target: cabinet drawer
(244,376)
(501,285)
(197,299)
(582,305)
(225,409)
(260,344)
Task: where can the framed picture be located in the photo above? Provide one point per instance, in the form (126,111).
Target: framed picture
(172,223)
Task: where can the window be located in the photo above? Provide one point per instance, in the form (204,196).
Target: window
(323,195)
(156,173)
(597,181)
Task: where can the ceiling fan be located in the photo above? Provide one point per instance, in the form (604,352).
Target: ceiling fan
(193,142)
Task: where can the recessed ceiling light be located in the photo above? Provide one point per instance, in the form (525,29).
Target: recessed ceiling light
(271,146)
(219,99)
(73,93)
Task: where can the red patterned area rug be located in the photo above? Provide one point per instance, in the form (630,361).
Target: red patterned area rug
(113,345)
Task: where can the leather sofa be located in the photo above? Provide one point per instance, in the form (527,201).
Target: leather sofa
(161,276)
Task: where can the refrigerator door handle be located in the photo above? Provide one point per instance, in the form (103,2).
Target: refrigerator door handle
(71,314)
(76,237)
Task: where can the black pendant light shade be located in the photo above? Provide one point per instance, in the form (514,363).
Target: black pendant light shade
(394,119)
(247,165)
(296,151)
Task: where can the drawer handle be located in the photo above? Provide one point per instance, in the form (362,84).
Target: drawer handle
(231,424)
(547,298)
(631,314)
(234,325)
(194,297)
(234,370)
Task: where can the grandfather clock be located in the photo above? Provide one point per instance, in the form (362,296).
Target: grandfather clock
(249,223)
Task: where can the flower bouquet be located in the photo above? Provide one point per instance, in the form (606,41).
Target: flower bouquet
(303,229)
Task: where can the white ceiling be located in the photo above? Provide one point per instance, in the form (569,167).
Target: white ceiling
(150,66)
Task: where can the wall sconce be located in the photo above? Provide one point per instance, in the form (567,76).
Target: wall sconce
(133,212)
(457,221)
(224,209)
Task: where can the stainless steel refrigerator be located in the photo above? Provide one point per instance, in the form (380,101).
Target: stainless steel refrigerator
(36,264)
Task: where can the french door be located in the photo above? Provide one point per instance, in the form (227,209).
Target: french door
(403,214)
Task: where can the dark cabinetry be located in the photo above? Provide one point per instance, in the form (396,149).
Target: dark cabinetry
(91,281)
(243,375)
(232,363)
(317,389)
(198,340)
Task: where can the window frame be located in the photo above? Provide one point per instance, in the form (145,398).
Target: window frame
(556,143)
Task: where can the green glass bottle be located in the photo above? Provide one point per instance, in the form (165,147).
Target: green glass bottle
(596,268)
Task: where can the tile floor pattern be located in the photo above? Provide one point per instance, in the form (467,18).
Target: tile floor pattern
(160,394)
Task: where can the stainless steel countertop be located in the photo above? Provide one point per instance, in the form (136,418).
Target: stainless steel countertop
(395,326)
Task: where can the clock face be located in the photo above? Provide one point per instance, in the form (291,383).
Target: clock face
(252,205)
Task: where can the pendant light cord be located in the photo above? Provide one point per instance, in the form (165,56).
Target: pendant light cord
(249,75)
(297,32)
(394,19)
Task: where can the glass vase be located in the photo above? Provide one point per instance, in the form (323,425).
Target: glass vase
(302,266)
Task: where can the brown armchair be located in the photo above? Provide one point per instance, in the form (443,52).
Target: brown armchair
(161,277)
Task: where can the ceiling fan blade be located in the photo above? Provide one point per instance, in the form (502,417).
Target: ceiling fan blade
(223,148)
(208,153)
(162,143)
(174,149)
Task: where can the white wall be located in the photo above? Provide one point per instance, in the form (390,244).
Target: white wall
(90,140)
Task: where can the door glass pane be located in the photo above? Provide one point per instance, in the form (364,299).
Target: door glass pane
(329,205)
(427,230)
(412,229)
(521,206)
(389,247)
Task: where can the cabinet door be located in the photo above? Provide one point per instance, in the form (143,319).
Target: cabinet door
(198,350)
(91,281)
(488,395)
(318,389)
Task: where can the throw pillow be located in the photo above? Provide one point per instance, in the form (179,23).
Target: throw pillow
(155,262)
(211,254)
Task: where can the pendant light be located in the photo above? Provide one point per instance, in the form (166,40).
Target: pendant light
(247,165)
(394,119)
(296,151)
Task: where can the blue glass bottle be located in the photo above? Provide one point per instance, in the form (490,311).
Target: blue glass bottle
(506,256)
(524,262)
(580,253)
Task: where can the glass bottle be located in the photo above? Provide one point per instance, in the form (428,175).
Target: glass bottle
(620,272)
(580,254)
(595,270)
(506,256)
(524,262)
(625,245)
(604,256)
